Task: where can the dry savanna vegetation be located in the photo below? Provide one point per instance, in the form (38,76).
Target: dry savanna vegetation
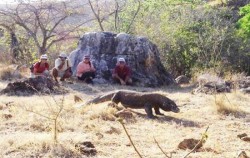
(191,36)
(27,126)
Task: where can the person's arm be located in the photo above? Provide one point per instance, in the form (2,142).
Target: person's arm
(36,67)
(92,68)
(115,75)
(69,65)
(80,68)
(47,66)
(59,64)
(128,74)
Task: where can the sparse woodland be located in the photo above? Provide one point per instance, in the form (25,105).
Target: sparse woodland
(206,40)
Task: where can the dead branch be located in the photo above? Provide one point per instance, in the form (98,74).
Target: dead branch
(201,140)
(161,149)
(120,120)
(133,19)
(97,15)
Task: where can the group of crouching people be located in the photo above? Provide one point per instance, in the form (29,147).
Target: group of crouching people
(85,70)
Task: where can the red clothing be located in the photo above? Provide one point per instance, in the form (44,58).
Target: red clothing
(122,72)
(39,68)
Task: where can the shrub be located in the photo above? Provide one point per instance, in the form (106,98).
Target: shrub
(225,107)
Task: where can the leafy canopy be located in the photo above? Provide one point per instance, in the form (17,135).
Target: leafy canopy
(244,22)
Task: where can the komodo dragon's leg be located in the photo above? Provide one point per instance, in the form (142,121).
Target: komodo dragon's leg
(148,109)
(116,98)
(157,110)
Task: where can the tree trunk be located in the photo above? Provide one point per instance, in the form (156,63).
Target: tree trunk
(14,47)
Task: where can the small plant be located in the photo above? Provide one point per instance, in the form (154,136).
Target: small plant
(55,113)
(9,72)
(225,107)
(5,74)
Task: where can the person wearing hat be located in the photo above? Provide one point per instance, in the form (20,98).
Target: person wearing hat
(62,68)
(122,72)
(40,68)
(85,70)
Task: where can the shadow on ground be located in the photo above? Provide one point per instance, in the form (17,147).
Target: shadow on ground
(170,119)
(181,122)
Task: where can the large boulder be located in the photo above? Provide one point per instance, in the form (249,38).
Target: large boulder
(140,54)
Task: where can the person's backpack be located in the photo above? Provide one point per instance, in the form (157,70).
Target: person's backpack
(32,67)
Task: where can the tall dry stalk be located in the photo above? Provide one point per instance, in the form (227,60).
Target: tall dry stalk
(55,112)
(131,141)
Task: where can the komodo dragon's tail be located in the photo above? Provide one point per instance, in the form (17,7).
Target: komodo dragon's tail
(101,99)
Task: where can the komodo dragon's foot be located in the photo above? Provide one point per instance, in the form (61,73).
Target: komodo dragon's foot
(151,117)
(158,113)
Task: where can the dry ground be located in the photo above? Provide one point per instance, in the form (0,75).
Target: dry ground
(28,134)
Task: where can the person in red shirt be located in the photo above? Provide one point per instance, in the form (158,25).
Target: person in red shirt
(41,68)
(122,72)
(85,70)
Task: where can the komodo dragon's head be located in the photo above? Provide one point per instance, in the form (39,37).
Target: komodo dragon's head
(170,105)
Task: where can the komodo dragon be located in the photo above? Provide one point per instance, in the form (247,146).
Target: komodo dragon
(139,100)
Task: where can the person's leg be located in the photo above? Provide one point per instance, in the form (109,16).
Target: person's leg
(55,74)
(89,76)
(84,76)
(67,74)
(128,81)
(92,74)
(116,78)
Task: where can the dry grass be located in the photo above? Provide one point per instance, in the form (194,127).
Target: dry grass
(9,72)
(6,74)
(27,134)
(225,104)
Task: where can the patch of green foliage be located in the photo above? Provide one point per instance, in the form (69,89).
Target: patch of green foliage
(243,23)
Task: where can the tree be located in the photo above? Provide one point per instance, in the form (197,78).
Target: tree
(191,35)
(46,23)
(244,22)
(116,15)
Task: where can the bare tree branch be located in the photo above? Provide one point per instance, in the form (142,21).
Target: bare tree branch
(45,22)
(97,15)
(133,19)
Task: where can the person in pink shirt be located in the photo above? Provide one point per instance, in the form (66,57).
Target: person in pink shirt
(85,70)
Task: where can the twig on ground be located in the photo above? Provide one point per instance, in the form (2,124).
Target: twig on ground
(161,149)
(120,120)
(201,140)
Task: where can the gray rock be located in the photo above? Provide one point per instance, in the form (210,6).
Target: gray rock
(140,54)
(182,79)
(243,82)
(31,86)
(245,90)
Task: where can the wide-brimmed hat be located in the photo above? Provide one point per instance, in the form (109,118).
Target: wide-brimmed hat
(63,55)
(44,56)
(121,60)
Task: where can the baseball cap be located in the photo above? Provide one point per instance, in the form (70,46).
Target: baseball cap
(63,55)
(86,57)
(121,60)
(44,56)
